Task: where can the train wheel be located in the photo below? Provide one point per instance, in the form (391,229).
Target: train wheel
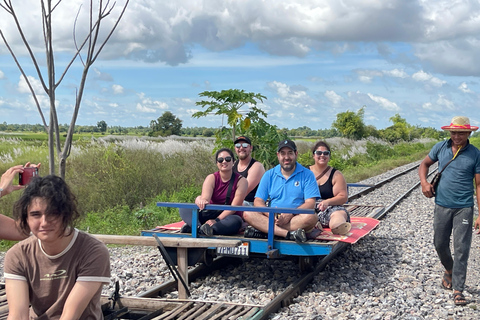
(306,263)
(208,256)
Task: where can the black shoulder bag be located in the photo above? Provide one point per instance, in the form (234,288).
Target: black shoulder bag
(212,214)
(436,177)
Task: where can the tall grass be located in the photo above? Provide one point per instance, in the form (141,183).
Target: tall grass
(119,180)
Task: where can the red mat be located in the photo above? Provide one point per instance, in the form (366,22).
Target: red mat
(361,226)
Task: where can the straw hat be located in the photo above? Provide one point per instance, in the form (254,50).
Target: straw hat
(460,124)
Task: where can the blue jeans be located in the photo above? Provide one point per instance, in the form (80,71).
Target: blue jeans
(229,225)
(460,221)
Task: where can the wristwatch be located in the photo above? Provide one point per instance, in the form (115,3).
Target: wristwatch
(1,192)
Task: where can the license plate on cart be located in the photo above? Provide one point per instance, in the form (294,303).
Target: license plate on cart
(240,251)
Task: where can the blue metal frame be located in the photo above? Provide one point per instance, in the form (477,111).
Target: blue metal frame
(271,247)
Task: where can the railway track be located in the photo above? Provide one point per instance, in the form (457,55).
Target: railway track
(153,304)
(372,195)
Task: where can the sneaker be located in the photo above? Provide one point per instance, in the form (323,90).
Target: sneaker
(186,229)
(251,232)
(206,230)
(297,235)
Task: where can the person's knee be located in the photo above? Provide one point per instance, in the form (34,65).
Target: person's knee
(309,221)
(248,215)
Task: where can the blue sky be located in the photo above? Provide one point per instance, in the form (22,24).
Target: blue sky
(311,59)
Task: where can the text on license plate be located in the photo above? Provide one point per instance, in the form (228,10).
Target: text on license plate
(242,250)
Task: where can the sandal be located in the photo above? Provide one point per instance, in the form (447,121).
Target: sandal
(447,281)
(459,299)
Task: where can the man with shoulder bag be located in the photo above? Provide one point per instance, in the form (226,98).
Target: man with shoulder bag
(459,165)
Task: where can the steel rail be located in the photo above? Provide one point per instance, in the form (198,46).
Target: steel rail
(286,297)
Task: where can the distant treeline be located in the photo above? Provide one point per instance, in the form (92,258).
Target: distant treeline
(390,133)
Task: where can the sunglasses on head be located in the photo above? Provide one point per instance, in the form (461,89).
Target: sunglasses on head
(238,145)
(220,160)
(319,153)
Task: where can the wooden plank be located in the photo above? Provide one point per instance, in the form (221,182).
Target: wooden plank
(168,241)
(140,303)
(182,263)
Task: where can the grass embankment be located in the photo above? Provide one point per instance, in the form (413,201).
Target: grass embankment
(118,182)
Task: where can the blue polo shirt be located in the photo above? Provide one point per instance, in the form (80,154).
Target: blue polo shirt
(287,193)
(455,188)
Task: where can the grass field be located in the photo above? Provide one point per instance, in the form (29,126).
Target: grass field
(118,180)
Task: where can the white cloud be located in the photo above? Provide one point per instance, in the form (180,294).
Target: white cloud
(292,97)
(396,73)
(146,104)
(464,88)
(443,101)
(426,77)
(145,109)
(35,83)
(428,106)
(385,103)
(117,89)
(2,75)
(333,97)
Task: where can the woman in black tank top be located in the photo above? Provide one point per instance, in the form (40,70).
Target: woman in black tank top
(333,191)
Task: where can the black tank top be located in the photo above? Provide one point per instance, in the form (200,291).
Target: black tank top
(326,189)
(251,195)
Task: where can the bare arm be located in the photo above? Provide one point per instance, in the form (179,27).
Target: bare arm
(255,173)
(285,218)
(78,299)
(207,191)
(18,299)
(7,178)
(9,229)
(308,204)
(427,188)
(259,202)
(340,192)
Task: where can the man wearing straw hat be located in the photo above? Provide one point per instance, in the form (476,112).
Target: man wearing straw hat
(459,164)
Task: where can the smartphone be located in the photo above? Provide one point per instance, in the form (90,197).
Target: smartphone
(27,175)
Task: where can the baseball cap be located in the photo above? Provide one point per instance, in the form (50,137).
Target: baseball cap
(287,143)
(243,138)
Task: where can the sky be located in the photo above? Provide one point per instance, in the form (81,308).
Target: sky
(310,59)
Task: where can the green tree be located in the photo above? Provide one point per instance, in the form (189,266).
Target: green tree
(229,102)
(166,125)
(350,124)
(400,130)
(102,125)
(264,136)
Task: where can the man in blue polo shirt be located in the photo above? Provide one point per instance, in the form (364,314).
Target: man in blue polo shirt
(288,185)
(454,201)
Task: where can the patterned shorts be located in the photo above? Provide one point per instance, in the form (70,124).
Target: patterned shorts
(324,216)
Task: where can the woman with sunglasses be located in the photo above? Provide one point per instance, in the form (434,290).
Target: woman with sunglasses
(215,190)
(333,190)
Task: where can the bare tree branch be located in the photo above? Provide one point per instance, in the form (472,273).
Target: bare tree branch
(89,44)
(32,91)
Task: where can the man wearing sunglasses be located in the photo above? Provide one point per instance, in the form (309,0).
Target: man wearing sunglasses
(248,167)
(288,185)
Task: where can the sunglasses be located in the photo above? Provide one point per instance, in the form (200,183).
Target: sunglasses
(319,153)
(238,145)
(220,160)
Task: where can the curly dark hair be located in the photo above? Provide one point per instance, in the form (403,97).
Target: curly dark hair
(226,150)
(61,202)
(320,144)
